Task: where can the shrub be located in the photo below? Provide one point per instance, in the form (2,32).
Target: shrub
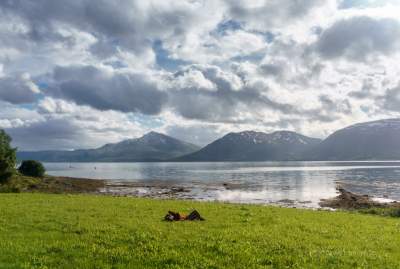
(7,157)
(395,213)
(10,189)
(32,168)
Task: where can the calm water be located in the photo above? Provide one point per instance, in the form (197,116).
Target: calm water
(296,183)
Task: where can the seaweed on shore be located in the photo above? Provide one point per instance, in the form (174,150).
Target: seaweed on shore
(361,203)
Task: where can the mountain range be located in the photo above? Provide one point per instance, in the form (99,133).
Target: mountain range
(376,140)
(151,147)
(255,146)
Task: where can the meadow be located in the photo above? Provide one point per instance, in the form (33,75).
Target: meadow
(93,231)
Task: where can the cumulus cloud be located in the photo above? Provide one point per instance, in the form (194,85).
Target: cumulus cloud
(15,116)
(391,99)
(59,124)
(18,89)
(358,38)
(106,89)
(269,15)
(110,70)
(131,25)
(229,98)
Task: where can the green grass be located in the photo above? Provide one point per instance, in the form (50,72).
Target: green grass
(88,231)
(49,184)
(388,212)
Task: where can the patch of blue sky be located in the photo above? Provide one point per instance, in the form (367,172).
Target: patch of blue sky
(227,26)
(268,36)
(116,64)
(146,121)
(31,106)
(367,3)
(253,57)
(42,85)
(163,58)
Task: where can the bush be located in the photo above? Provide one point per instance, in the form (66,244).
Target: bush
(10,189)
(7,157)
(32,168)
(395,213)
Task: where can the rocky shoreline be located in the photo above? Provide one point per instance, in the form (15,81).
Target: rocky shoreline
(346,200)
(351,201)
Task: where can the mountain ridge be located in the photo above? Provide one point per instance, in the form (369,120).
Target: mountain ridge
(152,146)
(254,146)
(373,140)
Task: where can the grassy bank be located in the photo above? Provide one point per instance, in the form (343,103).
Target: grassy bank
(50,184)
(89,231)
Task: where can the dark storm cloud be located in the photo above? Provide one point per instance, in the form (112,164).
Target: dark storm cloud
(358,37)
(16,90)
(106,90)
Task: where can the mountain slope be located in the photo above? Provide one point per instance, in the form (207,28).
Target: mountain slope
(255,146)
(378,140)
(150,147)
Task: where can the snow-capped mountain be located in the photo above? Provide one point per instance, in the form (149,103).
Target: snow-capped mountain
(375,140)
(255,146)
(150,147)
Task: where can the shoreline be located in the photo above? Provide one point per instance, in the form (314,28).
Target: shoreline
(345,200)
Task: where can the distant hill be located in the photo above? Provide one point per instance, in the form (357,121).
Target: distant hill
(255,146)
(150,147)
(375,140)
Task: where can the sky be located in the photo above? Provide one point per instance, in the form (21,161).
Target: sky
(82,73)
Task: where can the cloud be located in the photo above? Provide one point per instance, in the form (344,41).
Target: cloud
(59,124)
(227,97)
(132,25)
(195,69)
(391,99)
(366,91)
(358,38)
(12,116)
(272,14)
(106,89)
(18,89)
(54,133)
(198,134)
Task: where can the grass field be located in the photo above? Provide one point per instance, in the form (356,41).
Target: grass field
(89,231)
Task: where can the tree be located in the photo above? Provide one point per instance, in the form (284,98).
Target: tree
(7,157)
(32,168)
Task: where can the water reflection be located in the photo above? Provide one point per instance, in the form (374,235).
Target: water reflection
(251,182)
